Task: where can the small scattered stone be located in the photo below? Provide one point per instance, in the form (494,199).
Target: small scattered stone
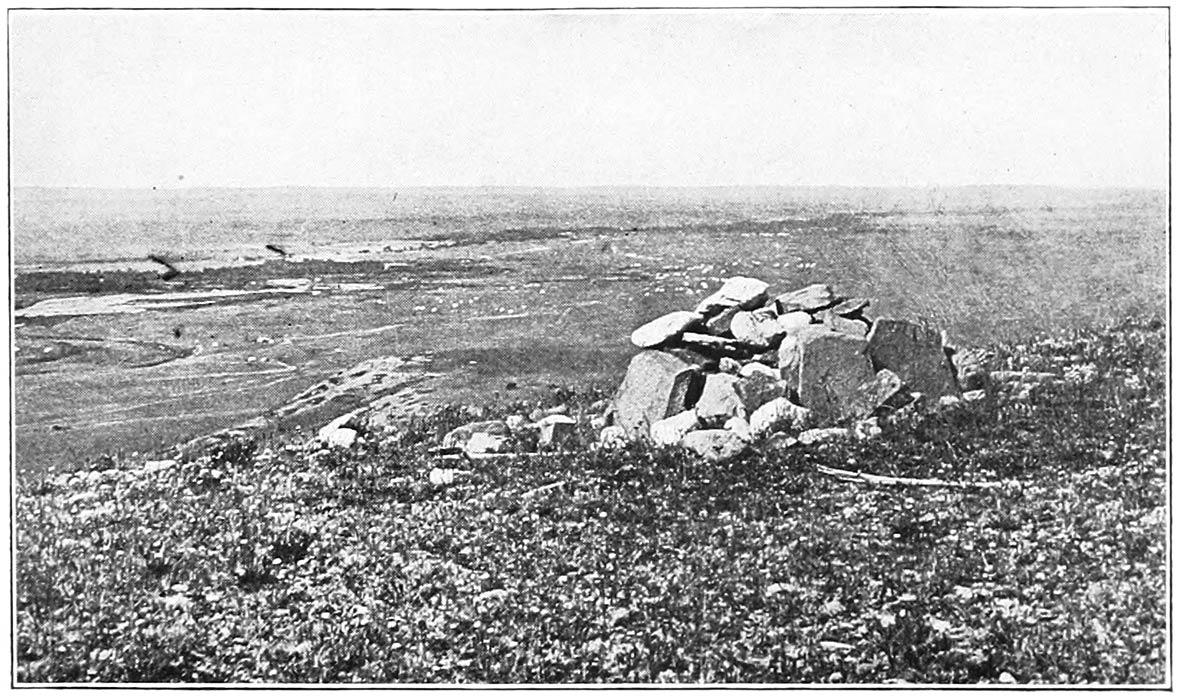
(970,369)
(717,446)
(555,429)
(974,395)
(515,422)
(867,428)
(481,443)
(823,435)
(340,438)
(663,329)
(459,437)
(612,437)
(729,365)
(882,390)
(817,296)
(669,431)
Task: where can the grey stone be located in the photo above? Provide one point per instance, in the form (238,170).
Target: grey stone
(719,324)
(663,329)
(555,430)
(836,323)
(853,307)
(824,435)
(809,299)
(825,369)
(741,427)
(753,368)
(779,415)
(755,329)
(729,365)
(720,400)
(612,437)
(866,429)
(883,390)
(656,386)
(459,437)
(759,388)
(739,291)
(793,321)
(717,446)
(970,369)
(339,438)
(914,353)
(669,431)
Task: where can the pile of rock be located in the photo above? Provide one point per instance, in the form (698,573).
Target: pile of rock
(745,365)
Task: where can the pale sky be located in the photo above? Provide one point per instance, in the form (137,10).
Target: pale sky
(890,98)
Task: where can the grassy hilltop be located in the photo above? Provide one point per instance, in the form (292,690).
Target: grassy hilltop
(267,560)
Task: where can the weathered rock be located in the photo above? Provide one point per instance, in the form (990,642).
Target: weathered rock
(656,386)
(729,365)
(793,321)
(461,436)
(779,415)
(717,445)
(739,291)
(760,369)
(825,369)
(755,329)
(883,390)
(669,431)
(914,353)
(837,323)
(824,435)
(970,367)
(760,388)
(720,400)
(663,329)
(719,324)
(817,296)
(554,430)
(853,307)
(741,427)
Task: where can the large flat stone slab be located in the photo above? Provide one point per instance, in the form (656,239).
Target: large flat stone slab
(739,291)
(816,296)
(663,329)
(913,352)
(657,385)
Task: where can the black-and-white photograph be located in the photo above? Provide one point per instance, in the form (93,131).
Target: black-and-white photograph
(652,347)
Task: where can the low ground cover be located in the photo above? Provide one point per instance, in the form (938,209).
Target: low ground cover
(268,560)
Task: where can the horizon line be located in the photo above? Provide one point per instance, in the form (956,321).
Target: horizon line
(388,187)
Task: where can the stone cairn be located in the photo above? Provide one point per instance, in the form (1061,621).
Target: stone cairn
(806,366)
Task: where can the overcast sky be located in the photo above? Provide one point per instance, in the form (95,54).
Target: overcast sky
(222,98)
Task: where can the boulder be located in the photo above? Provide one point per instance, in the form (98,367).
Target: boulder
(461,436)
(817,296)
(663,329)
(739,291)
(717,446)
(914,353)
(754,328)
(555,429)
(720,400)
(793,321)
(669,431)
(779,415)
(656,386)
(825,369)
(884,389)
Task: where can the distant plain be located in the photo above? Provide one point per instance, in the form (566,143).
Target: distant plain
(507,290)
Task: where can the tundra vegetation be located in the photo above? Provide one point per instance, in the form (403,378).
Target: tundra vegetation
(268,558)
